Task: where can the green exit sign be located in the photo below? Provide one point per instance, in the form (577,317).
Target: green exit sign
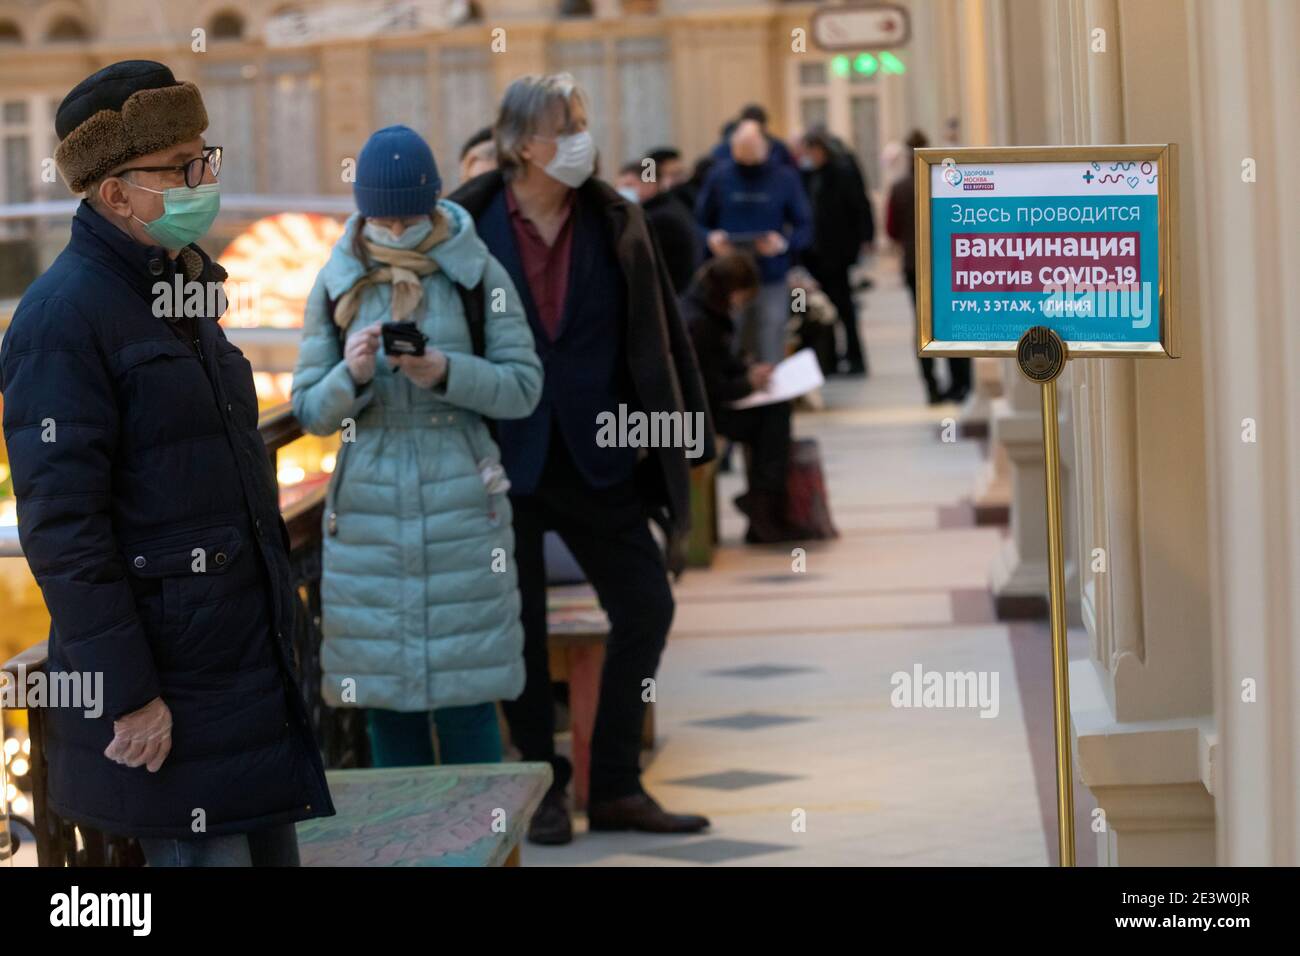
(868,64)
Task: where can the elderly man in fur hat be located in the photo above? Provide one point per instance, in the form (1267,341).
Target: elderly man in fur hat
(147,507)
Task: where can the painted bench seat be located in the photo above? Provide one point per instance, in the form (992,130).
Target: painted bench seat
(460,815)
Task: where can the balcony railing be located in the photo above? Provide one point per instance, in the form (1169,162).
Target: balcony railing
(339,732)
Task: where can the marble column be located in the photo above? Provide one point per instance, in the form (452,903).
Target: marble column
(1141,703)
(1243,78)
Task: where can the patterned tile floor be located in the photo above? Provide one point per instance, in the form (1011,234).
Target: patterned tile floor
(775,715)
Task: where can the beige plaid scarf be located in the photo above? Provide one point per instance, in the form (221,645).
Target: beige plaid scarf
(404,268)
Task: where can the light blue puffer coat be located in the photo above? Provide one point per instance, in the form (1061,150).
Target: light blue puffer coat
(420,603)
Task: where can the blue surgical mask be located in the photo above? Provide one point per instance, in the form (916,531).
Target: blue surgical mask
(187,213)
(411,236)
(630,194)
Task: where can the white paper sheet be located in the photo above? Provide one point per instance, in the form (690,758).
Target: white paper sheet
(797,375)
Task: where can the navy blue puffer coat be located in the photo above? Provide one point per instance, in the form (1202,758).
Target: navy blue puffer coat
(147,510)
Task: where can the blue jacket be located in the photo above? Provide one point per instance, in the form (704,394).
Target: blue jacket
(419,594)
(148,512)
(752,199)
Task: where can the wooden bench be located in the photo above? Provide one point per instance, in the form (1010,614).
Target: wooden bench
(457,815)
(577,630)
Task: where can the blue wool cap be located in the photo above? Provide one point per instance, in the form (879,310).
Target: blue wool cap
(396,174)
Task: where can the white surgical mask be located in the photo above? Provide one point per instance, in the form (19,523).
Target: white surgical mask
(629,193)
(411,236)
(575,159)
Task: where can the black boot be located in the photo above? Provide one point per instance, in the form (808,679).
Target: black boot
(551,824)
(767,524)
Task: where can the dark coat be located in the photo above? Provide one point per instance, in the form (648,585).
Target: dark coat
(584,370)
(900,223)
(672,222)
(724,372)
(841,213)
(152,525)
(659,362)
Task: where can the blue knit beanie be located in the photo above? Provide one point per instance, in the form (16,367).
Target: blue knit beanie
(396,174)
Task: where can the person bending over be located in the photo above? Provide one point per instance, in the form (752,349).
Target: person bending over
(721,288)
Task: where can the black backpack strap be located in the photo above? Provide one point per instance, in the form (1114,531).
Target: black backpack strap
(331,306)
(474,303)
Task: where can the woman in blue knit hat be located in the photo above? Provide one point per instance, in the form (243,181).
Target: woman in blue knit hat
(420,603)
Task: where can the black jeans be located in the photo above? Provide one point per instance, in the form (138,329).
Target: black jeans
(766,430)
(835,283)
(958,368)
(607,529)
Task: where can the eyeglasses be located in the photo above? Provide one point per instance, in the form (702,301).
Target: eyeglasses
(211,159)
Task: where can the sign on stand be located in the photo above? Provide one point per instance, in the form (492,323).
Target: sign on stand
(1079,239)
(1045,254)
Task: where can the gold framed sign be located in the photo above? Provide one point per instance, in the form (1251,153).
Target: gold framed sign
(1081,239)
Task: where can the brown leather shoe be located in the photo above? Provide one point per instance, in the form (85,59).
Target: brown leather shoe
(639,811)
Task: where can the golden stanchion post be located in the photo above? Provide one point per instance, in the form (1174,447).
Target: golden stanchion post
(1042,355)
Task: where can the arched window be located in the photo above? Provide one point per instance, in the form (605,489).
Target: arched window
(9,32)
(226,25)
(66,29)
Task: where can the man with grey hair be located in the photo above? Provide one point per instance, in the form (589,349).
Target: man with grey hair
(607,329)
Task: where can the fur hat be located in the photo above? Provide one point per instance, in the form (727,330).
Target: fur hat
(123,111)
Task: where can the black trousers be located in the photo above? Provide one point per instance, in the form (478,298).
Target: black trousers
(835,283)
(958,368)
(607,529)
(766,430)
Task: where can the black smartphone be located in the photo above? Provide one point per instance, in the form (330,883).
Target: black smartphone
(402,338)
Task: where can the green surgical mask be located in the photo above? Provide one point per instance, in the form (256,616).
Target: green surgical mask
(187,213)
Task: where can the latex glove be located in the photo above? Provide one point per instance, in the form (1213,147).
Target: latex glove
(494,477)
(142,737)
